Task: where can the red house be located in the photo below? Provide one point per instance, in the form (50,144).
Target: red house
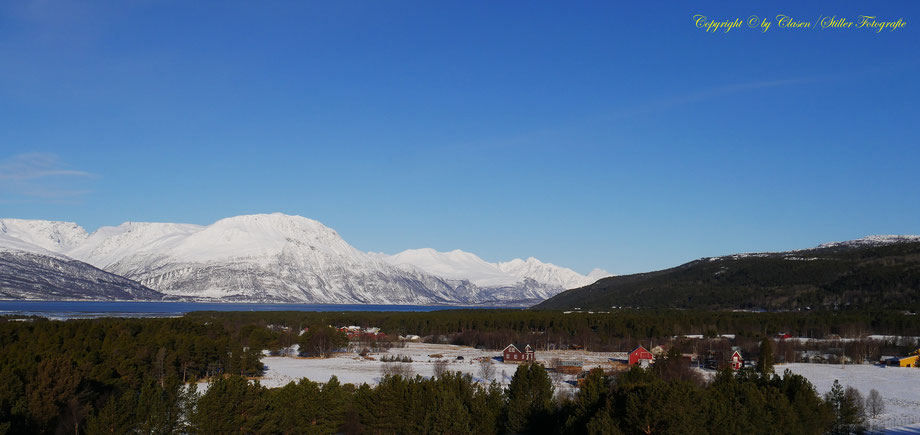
(736,361)
(640,356)
(515,355)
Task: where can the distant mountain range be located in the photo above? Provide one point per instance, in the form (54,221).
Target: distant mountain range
(255,258)
(872,272)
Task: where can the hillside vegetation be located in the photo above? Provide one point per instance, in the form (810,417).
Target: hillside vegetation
(826,277)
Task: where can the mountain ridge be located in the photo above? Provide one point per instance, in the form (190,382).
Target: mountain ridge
(279,258)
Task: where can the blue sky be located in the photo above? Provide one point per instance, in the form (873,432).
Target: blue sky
(590,135)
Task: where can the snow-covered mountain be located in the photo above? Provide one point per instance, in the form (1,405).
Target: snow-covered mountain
(31,272)
(459,265)
(528,279)
(282,258)
(50,235)
(267,258)
(549,273)
(453,265)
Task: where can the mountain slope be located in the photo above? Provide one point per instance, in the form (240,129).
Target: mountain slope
(870,272)
(50,235)
(109,245)
(28,271)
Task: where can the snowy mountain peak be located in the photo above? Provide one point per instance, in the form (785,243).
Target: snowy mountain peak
(275,222)
(546,273)
(597,274)
(459,265)
(50,235)
(455,265)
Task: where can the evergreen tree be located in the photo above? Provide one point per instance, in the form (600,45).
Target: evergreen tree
(487,407)
(848,410)
(813,415)
(657,406)
(294,406)
(55,383)
(530,400)
(385,408)
(765,363)
(735,403)
(603,422)
(589,400)
(116,416)
(334,401)
(231,404)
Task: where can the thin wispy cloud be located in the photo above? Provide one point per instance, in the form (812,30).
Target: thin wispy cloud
(646,107)
(41,177)
(706,94)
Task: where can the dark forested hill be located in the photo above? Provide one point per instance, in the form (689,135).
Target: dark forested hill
(856,274)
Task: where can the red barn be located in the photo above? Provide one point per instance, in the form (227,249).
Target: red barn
(640,355)
(515,355)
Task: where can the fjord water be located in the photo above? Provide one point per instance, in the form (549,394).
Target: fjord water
(90,309)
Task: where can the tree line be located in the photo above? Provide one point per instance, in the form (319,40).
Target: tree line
(639,401)
(57,374)
(82,376)
(496,328)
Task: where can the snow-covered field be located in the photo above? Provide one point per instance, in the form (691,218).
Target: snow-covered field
(902,340)
(351,368)
(900,387)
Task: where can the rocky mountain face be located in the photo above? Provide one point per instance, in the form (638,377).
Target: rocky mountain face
(29,272)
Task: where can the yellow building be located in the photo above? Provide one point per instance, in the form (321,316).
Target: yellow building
(906,361)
